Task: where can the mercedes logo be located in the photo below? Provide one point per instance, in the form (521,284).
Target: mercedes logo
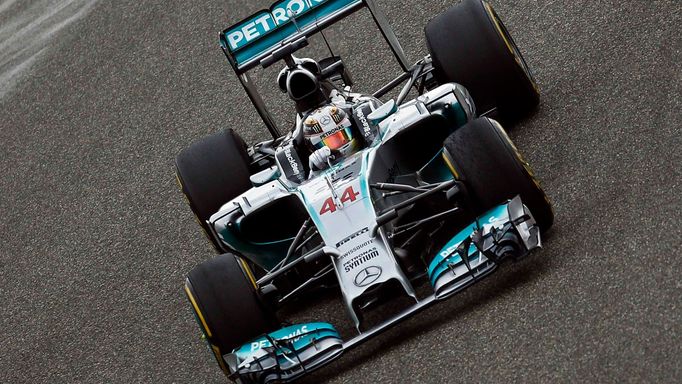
(325,120)
(367,276)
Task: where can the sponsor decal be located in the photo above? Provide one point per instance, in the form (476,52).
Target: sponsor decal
(447,252)
(356,248)
(349,195)
(351,237)
(336,114)
(332,131)
(360,259)
(498,221)
(290,158)
(312,126)
(363,120)
(265,22)
(292,337)
(367,276)
(289,162)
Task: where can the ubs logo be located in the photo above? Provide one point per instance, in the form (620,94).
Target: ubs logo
(367,276)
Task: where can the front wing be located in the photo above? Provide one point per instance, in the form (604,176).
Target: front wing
(507,231)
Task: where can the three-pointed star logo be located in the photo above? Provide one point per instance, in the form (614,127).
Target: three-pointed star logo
(367,276)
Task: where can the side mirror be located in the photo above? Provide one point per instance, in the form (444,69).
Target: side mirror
(382,112)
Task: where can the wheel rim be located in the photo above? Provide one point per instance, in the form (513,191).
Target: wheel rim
(511,46)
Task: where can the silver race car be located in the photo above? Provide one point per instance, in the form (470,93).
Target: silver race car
(375,199)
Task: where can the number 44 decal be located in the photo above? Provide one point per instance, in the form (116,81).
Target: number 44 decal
(348,196)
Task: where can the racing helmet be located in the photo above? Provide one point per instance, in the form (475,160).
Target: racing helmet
(329,126)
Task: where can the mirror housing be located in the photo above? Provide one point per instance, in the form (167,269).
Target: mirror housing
(382,112)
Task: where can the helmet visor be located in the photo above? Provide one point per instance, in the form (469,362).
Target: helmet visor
(337,139)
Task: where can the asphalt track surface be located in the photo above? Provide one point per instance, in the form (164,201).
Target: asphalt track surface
(95,238)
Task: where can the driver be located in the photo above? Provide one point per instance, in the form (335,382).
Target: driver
(328,133)
(334,124)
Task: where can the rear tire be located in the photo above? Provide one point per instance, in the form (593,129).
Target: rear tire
(482,156)
(227,306)
(211,172)
(470,45)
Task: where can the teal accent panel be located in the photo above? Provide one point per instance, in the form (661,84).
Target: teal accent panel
(312,211)
(364,184)
(301,336)
(436,171)
(447,255)
(266,255)
(459,114)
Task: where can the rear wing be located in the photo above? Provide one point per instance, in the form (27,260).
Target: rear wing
(256,40)
(256,37)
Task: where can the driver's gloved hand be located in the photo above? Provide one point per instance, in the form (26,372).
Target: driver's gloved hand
(320,159)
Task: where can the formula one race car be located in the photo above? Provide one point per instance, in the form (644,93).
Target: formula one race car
(371,198)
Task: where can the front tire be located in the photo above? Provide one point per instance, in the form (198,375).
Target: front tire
(211,172)
(226,305)
(482,156)
(470,45)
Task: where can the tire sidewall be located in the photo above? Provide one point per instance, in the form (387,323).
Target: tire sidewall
(227,305)
(493,170)
(480,55)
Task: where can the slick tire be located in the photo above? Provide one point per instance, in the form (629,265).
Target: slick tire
(211,172)
(482,156)
(226,305)
(470,45)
